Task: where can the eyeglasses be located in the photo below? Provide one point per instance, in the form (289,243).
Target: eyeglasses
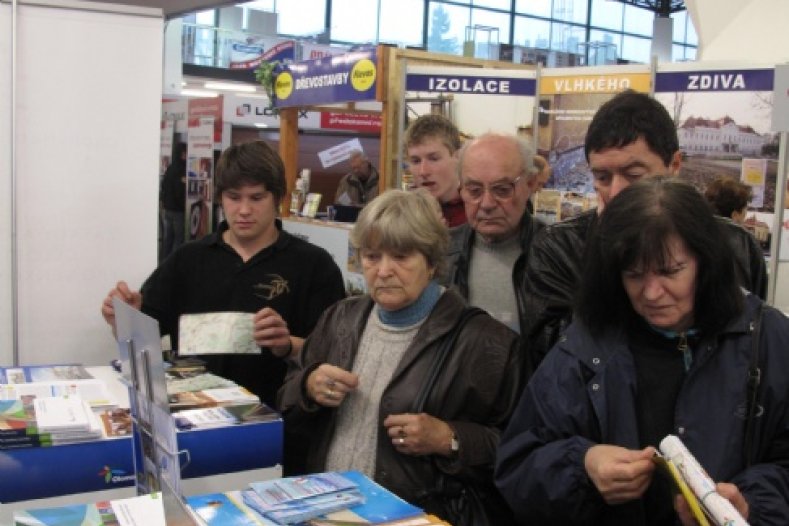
(473,192)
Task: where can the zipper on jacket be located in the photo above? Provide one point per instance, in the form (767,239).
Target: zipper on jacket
(684,348)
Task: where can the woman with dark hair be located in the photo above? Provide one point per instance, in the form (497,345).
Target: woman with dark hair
(661,344)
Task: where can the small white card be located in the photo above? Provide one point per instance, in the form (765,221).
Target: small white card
(217,333)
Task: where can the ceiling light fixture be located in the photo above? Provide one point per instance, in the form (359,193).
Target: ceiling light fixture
(198,93)
(229,87)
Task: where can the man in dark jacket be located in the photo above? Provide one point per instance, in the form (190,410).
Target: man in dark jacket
(360,185)
(173,197)
(487,255)
(630,137)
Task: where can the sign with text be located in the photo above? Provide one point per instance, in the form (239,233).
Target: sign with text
(368,123)
(602,83)
(715,80)
(476,84)
(326,80)
(339,153)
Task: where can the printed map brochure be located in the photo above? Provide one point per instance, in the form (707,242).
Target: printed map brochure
(216,333)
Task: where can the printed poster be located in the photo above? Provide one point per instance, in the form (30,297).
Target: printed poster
(200,177)
(723,120)
(568,99)
(754,174)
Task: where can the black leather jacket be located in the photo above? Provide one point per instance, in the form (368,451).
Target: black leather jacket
(458,260)
(553,274)
(475,394)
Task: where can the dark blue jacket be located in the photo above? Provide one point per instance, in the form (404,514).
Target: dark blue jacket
(584,393)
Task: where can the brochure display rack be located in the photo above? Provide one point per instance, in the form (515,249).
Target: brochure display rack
(105,469)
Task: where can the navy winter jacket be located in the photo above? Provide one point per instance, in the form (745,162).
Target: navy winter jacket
(584,393)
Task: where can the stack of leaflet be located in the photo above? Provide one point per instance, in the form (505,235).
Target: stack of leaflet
(220,396)
(47,421)
(311,500)
(294,500)
(18,383)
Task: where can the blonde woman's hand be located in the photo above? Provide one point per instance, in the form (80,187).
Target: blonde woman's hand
(419,434)
(328,385)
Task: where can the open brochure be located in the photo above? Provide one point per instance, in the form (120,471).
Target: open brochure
(217,333)
(707,505)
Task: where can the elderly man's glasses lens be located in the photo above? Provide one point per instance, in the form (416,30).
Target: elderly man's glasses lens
(500,191)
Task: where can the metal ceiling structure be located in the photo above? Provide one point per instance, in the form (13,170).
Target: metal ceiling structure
(172,8)
(659,7)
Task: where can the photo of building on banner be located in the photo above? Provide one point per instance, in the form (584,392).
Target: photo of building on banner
(723,123)
(200,177)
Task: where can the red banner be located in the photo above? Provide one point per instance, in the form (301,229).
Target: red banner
(368,123)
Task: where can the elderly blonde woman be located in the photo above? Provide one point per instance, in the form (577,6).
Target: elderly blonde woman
(354,388)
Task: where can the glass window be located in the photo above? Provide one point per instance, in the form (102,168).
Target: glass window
(638,20)
(305,17)
(260,5)
(636,49)
(401,21)
(690,52)
(534,7)
(566,37)
(353,21)
(691,37)
(531,32)
(446,28)
(570,10)
(500,21)
(206,18)
(604,47)
(607,15)
(496,4)
(680,26)
(677,53)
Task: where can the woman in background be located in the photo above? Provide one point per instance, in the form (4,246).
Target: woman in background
(729,198)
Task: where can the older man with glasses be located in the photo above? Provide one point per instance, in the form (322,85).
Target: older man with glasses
(487,256)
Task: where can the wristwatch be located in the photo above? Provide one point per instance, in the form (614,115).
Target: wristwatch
(454,445)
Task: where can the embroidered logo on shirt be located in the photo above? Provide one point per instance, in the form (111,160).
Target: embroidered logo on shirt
(276,286)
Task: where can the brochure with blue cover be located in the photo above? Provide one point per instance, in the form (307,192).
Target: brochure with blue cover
(380,505)
(225,509)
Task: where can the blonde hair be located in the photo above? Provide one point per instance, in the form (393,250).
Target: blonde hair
(403,222)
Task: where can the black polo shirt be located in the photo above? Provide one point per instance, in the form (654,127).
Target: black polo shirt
(295,278)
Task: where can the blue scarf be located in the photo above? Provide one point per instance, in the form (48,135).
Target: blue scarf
(415,312)
(687,352)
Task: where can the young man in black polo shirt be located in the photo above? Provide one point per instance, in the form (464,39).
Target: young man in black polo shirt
(249,265)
